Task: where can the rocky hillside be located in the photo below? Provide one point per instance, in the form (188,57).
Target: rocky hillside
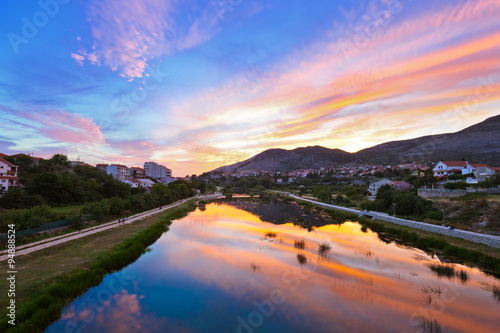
(286,160)
(479,143)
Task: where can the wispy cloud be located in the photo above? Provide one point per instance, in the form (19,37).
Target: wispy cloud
(127,33)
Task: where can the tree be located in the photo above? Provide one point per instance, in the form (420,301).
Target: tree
(228,191)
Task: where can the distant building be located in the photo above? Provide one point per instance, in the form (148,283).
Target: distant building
(445,168)
(134,183)
(160,172)
(75,163)
(137,173)
(146,183)
(118,171)
(373,189)
(402,185)
(482,173)
(102,167)
(8,175)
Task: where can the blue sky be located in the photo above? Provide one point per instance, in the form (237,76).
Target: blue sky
(199,84)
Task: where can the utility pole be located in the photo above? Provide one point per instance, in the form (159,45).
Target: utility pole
(394,214)
(442,209)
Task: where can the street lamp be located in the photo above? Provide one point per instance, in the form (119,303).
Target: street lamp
(364,199)
(394,214)
(442,209)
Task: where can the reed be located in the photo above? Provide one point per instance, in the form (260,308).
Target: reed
(270,234)
(300,244)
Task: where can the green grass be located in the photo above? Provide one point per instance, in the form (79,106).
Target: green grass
(53,277)
(67,210)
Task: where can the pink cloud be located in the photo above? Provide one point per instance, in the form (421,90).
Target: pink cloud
(65,127)
(128,33)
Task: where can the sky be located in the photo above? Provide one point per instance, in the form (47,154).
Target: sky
(195,85)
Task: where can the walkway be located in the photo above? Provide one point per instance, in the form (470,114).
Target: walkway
(490,240)
(45,243)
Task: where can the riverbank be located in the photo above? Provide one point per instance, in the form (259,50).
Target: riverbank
(48,278)
(456,249)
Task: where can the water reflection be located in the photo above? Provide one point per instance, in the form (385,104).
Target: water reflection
(219,270)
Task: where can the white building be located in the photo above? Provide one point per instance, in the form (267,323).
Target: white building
(146,183)
(118,171)
(8,175)
(102,167)
(134,183)
(160,172)
(446,168)
(373,189)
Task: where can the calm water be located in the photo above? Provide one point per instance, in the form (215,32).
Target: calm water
(214,271)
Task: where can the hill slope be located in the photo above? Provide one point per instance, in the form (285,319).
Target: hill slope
(479,143)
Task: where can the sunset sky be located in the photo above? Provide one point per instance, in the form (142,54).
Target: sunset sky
(199,84)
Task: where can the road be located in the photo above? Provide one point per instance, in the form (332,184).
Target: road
(490,240)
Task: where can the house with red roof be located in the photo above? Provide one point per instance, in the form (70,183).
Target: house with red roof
(445,168)
(134,183)
(118,171)
(401,185)
(8,175)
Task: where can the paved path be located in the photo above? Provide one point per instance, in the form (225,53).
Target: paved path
(45,243)
(490,240)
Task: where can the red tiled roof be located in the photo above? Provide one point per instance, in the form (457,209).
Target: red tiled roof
(135,181)
(2,160)
(3,155)
(455,170)
(98,165)
(8,177)
(121,166)
(474,165)
(455,163)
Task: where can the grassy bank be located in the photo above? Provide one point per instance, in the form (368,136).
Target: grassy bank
(483,256)
(50,279)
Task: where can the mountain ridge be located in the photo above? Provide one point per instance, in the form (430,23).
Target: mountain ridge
(479,143)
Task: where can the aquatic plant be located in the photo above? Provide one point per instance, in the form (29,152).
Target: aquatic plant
(324,248)
(495,289)
(443,270)
(433,290)
(254,266)
(300,244)
(449,272)
(302,259)
(270,234)
(463,276)
(429,325)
